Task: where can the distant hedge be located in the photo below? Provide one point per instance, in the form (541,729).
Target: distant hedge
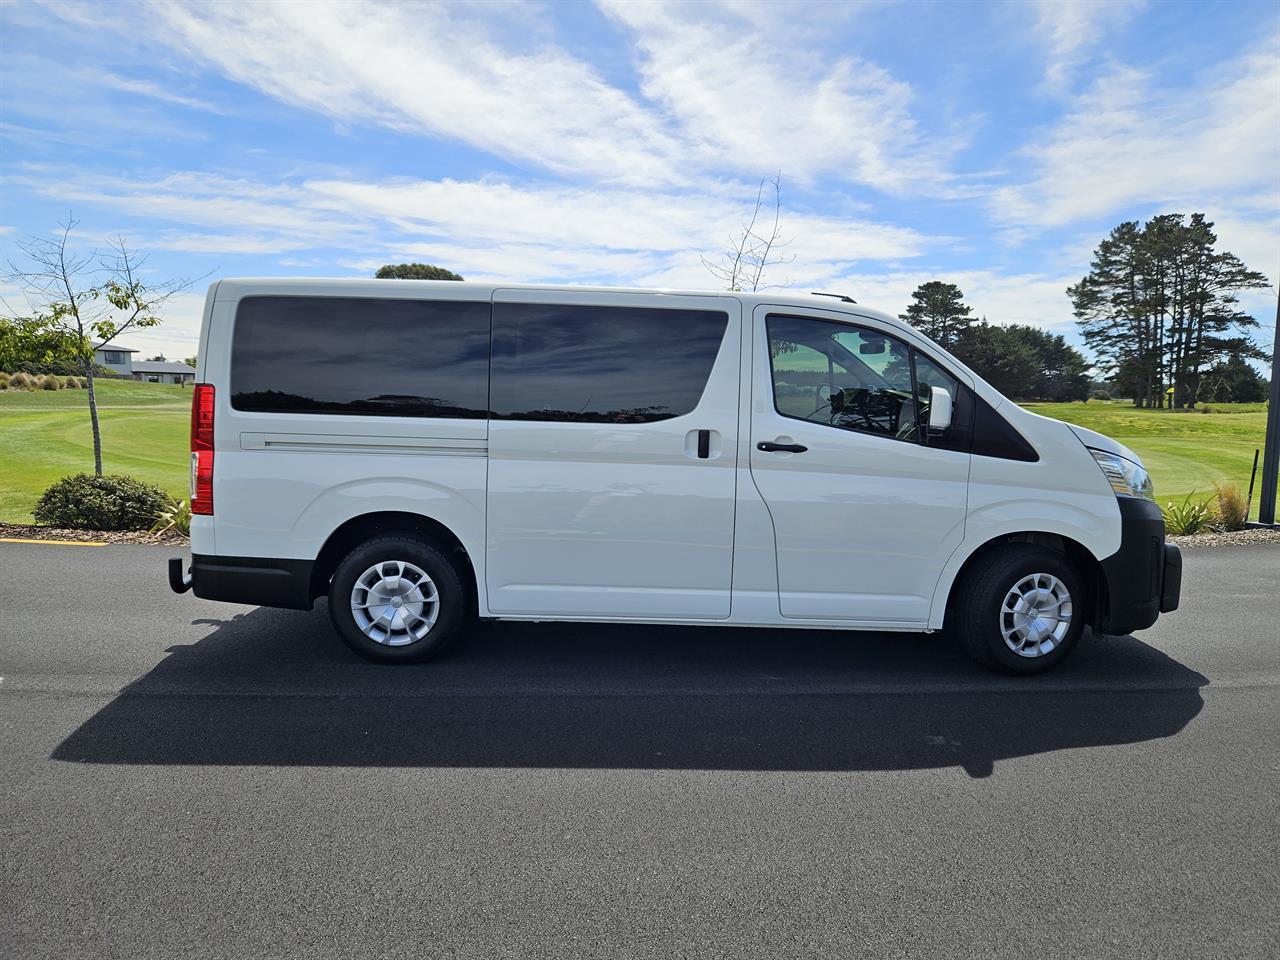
(415,271)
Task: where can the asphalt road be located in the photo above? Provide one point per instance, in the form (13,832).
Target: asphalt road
(180,778)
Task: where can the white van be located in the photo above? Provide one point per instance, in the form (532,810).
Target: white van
(423,452)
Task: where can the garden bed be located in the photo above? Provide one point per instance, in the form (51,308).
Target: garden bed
(20,531)
(1226,539)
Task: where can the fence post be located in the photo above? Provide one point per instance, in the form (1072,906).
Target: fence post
(1271,449)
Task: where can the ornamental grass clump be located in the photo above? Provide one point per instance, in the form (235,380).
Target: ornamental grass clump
(1230,506)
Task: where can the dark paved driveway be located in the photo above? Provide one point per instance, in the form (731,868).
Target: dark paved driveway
(180,778)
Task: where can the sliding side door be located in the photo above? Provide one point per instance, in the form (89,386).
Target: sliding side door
(612,454)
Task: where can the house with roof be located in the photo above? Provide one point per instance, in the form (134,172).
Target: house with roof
(119,360)
(163,371)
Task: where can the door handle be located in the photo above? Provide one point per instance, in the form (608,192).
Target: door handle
(768,446)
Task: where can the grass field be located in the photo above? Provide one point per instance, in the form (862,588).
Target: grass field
(45,435)
(1185,452)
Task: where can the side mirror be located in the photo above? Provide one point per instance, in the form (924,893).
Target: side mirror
(939,409)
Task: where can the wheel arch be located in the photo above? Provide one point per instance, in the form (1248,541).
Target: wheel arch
(358,529)
(1088,566)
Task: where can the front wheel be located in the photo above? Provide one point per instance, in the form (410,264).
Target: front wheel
(1022,609)
(396,600)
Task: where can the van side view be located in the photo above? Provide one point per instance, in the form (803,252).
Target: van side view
(423,452)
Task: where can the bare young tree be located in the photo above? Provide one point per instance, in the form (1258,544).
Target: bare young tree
(91,298)
(758,246)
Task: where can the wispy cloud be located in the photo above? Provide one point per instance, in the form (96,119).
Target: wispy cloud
(1127,141)
(460,73)
(155,91)
(741,95)
(434,70)
(491,228)
(1069,30)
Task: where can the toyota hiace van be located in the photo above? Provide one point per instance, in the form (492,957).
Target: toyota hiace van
(421,453)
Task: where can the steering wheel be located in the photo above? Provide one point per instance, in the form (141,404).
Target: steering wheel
(822,397)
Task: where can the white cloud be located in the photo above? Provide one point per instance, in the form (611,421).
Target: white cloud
(744,95)
(1036,299)
(155,91)
(726,88)
(493,229)
(1068,29)
(178,335)
(1125,143)
(431,69)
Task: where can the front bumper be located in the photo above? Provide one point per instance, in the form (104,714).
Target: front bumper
(1142,579)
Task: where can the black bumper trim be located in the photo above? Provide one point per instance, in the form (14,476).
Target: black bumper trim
(1143,578)
(261,581)
(179,582)
(1171,589)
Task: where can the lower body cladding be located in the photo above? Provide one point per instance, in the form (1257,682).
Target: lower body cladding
(1137,583)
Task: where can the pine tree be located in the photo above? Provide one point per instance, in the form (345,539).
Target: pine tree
(1159,307)
(939,312)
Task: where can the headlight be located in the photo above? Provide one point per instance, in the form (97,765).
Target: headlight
(1127,478)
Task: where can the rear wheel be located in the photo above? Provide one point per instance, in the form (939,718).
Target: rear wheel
(1021,610)
(396,600)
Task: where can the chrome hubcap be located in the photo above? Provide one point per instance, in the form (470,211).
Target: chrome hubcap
(1035,615)
(395,603)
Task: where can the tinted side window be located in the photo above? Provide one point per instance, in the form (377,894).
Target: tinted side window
(361,356)
(842,376)
(600,364)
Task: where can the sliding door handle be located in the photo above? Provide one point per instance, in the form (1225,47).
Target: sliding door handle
(768,446)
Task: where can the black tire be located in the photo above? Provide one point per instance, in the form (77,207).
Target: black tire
(981,594)
(450,617)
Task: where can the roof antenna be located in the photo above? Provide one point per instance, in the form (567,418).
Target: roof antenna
(839,296)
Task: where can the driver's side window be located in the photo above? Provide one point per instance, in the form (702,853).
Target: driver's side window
(841,376)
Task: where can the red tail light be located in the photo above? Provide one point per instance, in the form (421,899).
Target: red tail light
(202,449)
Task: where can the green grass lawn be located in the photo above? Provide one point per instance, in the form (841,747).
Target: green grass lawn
(1185,452)
(45,435)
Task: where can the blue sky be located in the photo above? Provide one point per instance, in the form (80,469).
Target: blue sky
(991,145)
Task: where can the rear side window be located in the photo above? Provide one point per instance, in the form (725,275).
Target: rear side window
(361,356)
(600,364)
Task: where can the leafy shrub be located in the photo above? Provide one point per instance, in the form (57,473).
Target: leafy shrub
(1232,508)
(21,381)
(51,383)
(175,516)
(1187,518)
(83,502)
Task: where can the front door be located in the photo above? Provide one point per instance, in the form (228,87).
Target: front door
(865,511)
(612,454)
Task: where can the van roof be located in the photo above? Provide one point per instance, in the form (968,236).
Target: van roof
(233,288)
